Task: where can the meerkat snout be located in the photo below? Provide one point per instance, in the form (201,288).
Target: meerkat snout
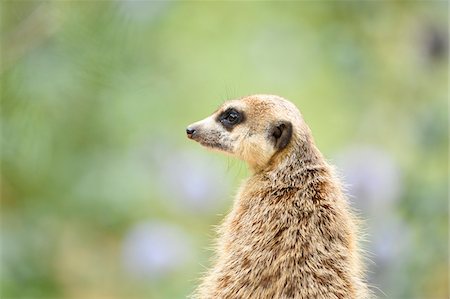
(190,132)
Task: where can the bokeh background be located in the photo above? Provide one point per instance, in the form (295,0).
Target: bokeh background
(102,195)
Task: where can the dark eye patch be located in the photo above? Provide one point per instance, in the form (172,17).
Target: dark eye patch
(230,118)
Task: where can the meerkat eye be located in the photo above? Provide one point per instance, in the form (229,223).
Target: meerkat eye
(230,118)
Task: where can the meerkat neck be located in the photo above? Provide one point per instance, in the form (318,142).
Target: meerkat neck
(302,155)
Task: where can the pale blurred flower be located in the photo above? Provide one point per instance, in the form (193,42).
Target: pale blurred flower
(371,176)
(374,183)
(193,180)
(391,247)
(391,239)
(189,179)
(155,249)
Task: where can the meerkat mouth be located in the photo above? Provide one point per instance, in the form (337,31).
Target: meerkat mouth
(208,139)
(214,145)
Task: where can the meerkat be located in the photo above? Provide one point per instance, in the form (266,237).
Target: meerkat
(291,232)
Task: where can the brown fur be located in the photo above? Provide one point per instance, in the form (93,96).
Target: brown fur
(291,233)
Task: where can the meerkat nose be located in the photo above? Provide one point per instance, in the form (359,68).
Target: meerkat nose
(190,132)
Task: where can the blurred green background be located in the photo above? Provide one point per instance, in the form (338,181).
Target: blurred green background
(102,195)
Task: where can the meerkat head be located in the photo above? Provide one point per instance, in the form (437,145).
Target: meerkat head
(254,129)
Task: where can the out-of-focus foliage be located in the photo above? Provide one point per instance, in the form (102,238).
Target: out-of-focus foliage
(104,197)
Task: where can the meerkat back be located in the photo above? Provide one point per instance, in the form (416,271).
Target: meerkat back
(291,232)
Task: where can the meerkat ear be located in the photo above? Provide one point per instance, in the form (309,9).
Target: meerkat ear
(281,134)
